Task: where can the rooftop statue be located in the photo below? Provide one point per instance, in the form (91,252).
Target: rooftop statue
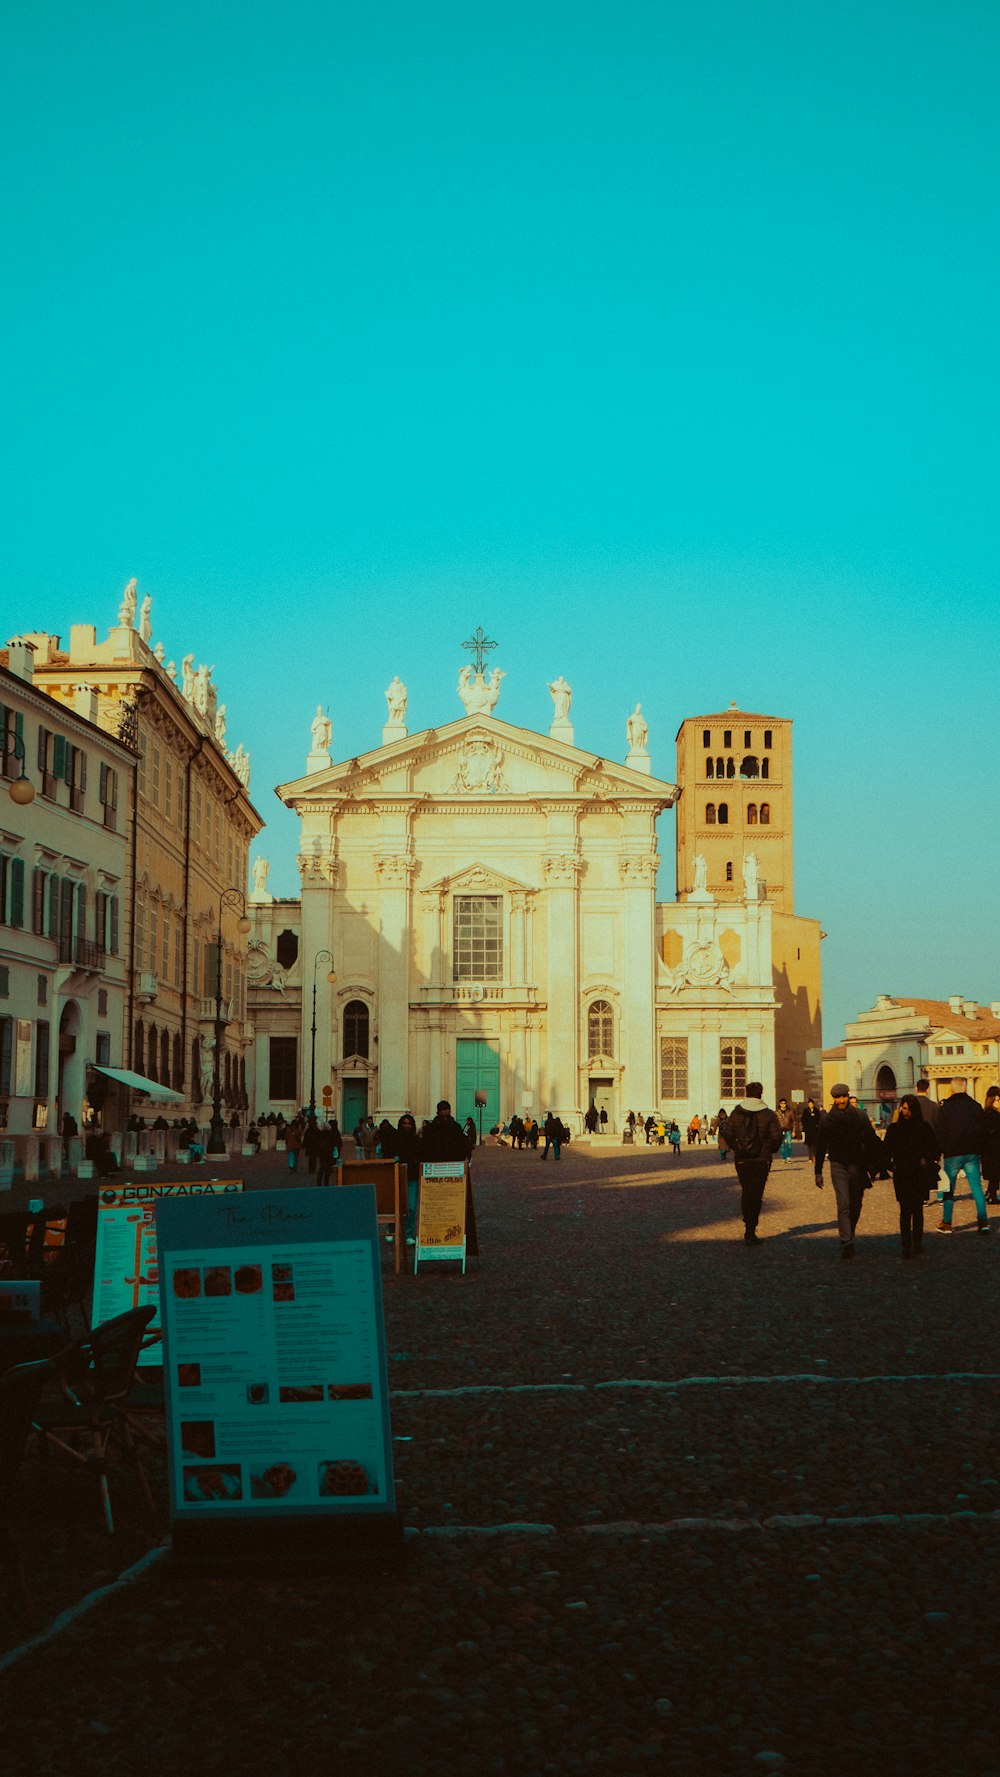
(396,699)
(220,724)
(126,610)
(187,677)
(322,731)
(478,691)
(240,762)
(637,729)
(146,619)
(260,869)
(750,878)
(700,874)
(562,695)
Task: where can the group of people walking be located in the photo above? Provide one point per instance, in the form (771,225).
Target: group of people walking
(925,1149)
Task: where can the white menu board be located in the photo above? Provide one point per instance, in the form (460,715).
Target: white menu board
(274,1355)
(126,1266)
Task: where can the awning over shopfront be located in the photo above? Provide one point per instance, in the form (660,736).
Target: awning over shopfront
(138,1084)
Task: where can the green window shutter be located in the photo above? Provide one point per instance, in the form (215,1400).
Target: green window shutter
(53,927)
(113,936)
(17,891)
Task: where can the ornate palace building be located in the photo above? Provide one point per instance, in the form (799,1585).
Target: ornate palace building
(485,899)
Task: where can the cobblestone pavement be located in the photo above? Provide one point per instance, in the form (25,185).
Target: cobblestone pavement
(672,1503)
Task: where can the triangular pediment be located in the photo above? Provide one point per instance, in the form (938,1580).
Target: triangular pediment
(477,756)
(478,879)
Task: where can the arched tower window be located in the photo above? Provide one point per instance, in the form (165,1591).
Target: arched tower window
(751,814)
(356,1025)
(730,767)
(710,814)
(723,814)
(765,814)
(729,872)
(750,767)
(600,1029)
(709,767)
(720,767)
(765,768)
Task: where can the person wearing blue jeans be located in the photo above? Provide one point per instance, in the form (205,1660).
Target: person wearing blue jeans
(961,1129)
(553,1136)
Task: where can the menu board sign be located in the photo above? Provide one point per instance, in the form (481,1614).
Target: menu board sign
(274,1357)
(126,1268)
(441,1214)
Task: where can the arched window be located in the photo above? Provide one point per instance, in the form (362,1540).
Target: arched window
(749,767)
(909,1069)
(710,814)
(720,767)
(729,872)
(600,1029)
(765,768)
(709,768)
(751,814)
(177,1074)
(196,1070)
(885,1082)
(730,767)
(139,1051)
(765,814)
(723,814)
(165,1057)
(356,1028)
(151,1054)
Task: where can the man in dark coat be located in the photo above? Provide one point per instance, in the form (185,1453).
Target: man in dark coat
(753,1134)
(855,1154)
(444,1139)
(961,1132)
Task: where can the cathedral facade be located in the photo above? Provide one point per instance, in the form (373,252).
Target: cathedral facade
(478,914)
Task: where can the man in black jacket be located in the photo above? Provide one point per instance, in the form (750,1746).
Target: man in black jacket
(855,1153)
(443,1139)
(960,1130)
(753,1133)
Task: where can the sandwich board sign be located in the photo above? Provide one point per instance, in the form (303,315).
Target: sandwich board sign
(274,1370)
(126,1268)
(441,1214)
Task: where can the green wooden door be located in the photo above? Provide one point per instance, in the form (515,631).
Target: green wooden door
(355,1105)
(477,1068)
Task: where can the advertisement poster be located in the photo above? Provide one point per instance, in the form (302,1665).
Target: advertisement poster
(441,1213)
(274,1356)
(126,1268)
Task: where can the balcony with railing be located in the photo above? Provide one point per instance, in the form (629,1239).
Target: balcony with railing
(82,953)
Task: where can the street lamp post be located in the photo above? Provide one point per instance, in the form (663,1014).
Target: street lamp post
(230,897)
(324,956)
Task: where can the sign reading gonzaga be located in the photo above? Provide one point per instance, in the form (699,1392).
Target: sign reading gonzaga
(274,1357)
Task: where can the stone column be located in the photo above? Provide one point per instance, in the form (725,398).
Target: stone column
(640,1085)
(393,871)
(318,870)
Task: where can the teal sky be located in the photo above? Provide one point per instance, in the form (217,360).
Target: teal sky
(660,339)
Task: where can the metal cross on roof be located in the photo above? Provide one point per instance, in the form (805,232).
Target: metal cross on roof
(479,646)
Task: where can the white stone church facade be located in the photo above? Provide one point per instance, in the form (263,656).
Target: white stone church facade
(485,897)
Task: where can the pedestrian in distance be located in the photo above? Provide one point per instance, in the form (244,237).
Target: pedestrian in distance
(293,1144)
(327,1151)
(674,1138)
(855,1153)
(910,1151)
(553,1136)
(991,1143)
(753,1135)
(812,1117)
(962,1132)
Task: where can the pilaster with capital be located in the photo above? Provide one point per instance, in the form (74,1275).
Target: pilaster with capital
(393,872)
(637,872)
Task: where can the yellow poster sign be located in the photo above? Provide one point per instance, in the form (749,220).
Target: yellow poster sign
(441,1232)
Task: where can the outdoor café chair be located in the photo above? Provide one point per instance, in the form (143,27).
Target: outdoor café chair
(95,1377)
(20,1389)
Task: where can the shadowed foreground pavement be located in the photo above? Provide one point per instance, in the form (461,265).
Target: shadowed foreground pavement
(700,1508)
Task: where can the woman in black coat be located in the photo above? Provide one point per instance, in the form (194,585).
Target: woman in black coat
(406,1148)
(911,1151)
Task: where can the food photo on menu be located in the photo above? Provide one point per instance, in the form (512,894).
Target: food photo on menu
(217,1485)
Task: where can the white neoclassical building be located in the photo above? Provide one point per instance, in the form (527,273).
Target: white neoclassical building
(485,898)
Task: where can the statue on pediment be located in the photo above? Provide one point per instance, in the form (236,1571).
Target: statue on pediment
(187,677)
(146,619)
(322,731)
(637,729)
(562,696)
(395,697)
(479,691)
